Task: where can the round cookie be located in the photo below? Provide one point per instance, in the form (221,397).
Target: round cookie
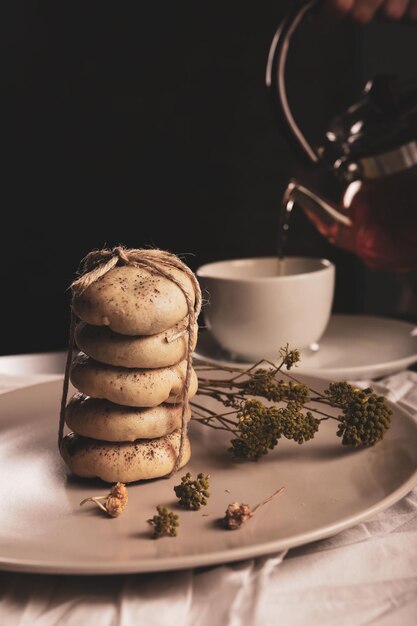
(123,462)
(135,301)
(146,351)
(131,387)
(101,419)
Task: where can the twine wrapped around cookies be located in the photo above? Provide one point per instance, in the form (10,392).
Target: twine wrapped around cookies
(95,265)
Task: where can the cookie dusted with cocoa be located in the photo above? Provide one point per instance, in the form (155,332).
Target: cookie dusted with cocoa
(135,301)
(104,420)
(132,387)
(124,462)
(146,351)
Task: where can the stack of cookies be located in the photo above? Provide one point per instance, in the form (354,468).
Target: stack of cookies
(130,372)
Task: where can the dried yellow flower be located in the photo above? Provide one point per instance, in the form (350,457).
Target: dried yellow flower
(119,490)
(114,506)
(236,515)
(114,502)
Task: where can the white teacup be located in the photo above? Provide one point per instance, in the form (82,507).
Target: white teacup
(253,310)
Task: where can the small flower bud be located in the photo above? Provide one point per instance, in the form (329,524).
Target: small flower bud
(236,515)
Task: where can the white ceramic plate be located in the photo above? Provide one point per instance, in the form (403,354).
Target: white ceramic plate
(19,370)
(328,488)
(353,347)
(42,364)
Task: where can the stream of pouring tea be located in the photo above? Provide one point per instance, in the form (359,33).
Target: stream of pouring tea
(283,227)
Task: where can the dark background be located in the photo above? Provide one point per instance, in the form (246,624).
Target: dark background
(149,124)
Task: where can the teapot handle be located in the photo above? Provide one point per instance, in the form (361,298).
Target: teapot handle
(275,72)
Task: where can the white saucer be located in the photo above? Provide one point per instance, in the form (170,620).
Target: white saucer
(353,347)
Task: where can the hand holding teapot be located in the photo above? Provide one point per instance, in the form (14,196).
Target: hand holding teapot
(364,11)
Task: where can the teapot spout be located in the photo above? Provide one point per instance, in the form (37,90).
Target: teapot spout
(320,209)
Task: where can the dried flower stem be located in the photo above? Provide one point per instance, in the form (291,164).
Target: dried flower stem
(274,495)
(238,513)
(96,500)
(115,501)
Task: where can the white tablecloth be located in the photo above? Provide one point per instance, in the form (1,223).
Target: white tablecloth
(365,575)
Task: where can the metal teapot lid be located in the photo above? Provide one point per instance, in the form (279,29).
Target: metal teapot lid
(374,137)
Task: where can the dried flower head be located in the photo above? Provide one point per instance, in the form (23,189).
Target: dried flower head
(258,430)
(340,393)
(114,506)
(260,427)
(193,494)
(263,383)
(115,501)
(366,416)
(119,491)
(296,425)
(236,515)
(289,357)
(365,420)
(165,523)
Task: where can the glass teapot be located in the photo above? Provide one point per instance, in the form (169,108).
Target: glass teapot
(371,148)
